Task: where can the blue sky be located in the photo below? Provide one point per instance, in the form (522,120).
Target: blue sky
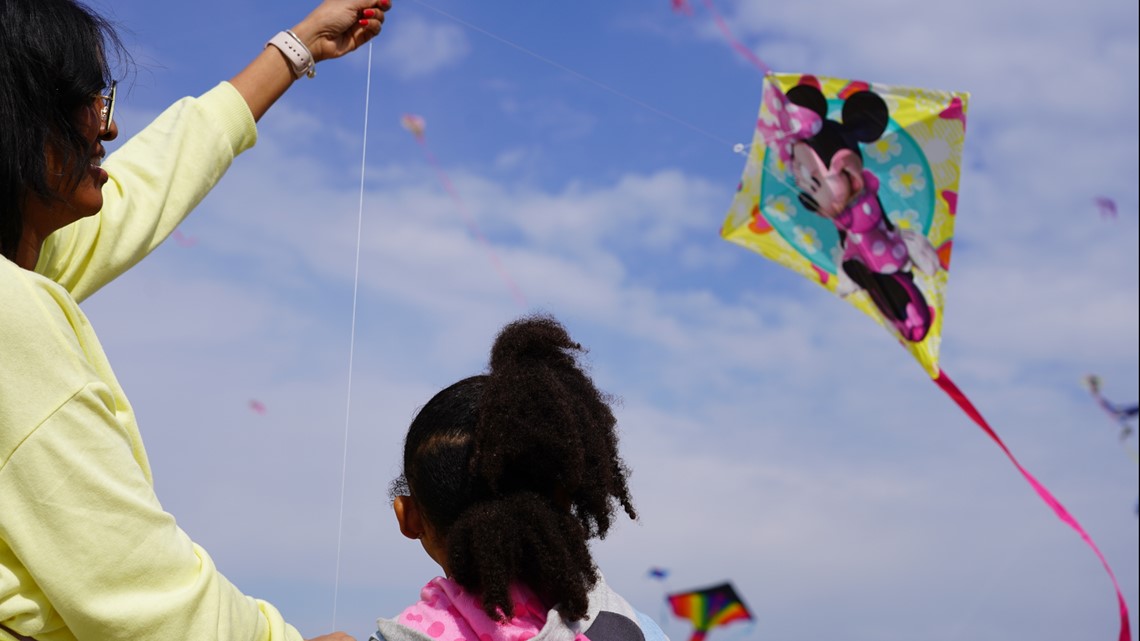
(777,437)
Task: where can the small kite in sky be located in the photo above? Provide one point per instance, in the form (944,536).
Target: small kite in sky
(1120,414)
(183,240)
(682,6)
(257,406)
(414,124)
(658,573)
(417,126)
(1106,206)
(708,608)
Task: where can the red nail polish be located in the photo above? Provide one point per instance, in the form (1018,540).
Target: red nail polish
(368,13)
(364,23)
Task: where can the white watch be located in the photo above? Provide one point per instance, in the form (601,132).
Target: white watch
(298,55)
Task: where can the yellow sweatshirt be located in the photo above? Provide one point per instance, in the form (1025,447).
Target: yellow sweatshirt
(86,550)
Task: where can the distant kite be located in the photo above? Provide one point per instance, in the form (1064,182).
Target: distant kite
(682,6)
(414,124)
(1120,414)
(708,608)
(183,240)
(658,573)
(1106,206)
(257,406)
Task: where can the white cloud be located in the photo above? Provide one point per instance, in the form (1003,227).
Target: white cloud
(417,47)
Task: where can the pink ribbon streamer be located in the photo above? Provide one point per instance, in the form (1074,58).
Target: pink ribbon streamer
(470,222)
(963,402)
(722,24)
(780,103)
(744,51)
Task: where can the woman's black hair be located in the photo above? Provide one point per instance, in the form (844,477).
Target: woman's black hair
(53,61)
(517,469)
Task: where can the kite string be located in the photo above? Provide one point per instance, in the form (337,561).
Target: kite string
(740,48)
(577,74)
(352,336)
(746,53)
(721,23)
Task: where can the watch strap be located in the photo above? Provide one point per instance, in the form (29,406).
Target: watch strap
(299,57)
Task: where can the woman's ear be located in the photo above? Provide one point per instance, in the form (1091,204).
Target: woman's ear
(408,516)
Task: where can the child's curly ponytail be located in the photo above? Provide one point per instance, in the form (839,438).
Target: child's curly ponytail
(518,469)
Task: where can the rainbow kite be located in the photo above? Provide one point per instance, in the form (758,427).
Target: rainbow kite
(708,608)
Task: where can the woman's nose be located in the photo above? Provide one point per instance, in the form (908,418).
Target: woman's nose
(111,133)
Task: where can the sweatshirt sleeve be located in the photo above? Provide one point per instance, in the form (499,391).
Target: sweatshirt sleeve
(81,515)
(86,550)
(156,178)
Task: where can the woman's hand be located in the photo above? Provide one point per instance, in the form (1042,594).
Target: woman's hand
(337,27)
(333,29)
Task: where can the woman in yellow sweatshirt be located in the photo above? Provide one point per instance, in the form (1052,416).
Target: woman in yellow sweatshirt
(86,551)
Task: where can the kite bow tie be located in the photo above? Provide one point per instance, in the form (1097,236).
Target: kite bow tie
(784,123)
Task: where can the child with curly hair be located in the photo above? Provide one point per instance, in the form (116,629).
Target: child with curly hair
(507,476)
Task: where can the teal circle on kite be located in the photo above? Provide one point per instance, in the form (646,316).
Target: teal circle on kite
(906,189)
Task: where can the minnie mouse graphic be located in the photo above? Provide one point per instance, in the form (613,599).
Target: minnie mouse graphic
(826,163)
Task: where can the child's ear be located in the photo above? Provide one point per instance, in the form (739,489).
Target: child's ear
(408,516)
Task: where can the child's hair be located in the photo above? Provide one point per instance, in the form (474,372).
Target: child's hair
(517,469)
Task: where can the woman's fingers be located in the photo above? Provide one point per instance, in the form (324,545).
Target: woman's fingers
(375,13)
(373,17)
(338,27)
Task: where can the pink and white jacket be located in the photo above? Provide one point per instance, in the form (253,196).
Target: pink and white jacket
(447,612)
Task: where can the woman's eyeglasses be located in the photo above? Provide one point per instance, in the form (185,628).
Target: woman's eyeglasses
(107,110)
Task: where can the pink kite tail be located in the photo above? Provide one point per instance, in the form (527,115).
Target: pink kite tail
(183,240)
(956,394)
(471,226)
(682,6)
(749,55)
(736,44)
